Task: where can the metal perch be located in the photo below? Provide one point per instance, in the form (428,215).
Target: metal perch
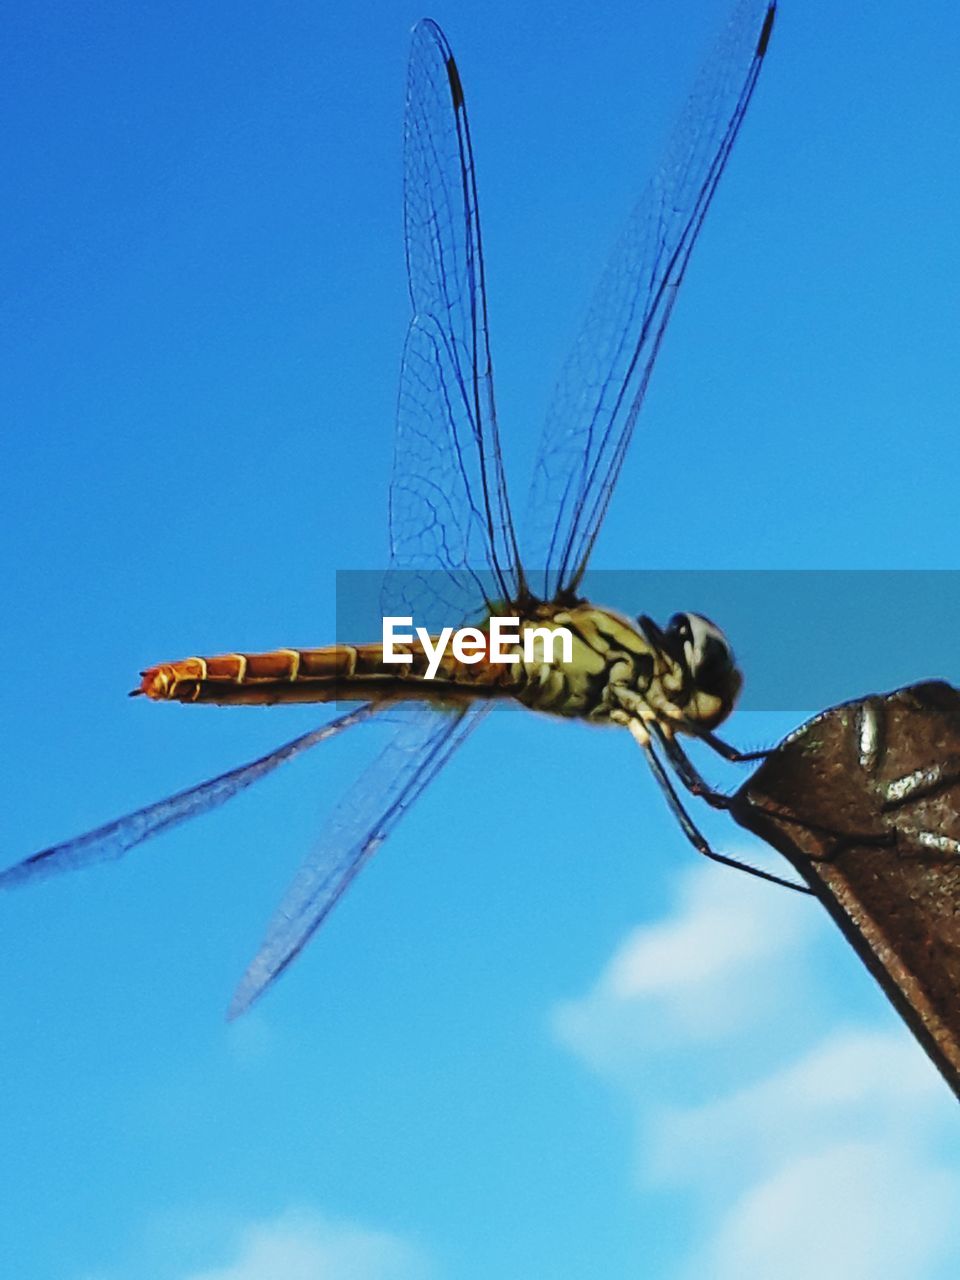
(864,801)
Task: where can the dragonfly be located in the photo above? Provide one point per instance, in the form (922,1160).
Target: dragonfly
(452,533)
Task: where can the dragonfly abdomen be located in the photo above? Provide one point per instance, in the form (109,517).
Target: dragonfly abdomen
(283,675)
(336,672)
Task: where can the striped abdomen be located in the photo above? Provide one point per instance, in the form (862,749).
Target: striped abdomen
(341,671)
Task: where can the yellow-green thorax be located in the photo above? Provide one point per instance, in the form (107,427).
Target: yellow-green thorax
(621,669)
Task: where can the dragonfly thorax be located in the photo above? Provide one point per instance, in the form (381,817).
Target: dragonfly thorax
(623,669)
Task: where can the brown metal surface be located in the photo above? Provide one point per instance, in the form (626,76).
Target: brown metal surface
(867,856)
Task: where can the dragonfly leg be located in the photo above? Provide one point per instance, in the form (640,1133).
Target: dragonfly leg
(724,749)
(697,786)
(689,827)
(686,771)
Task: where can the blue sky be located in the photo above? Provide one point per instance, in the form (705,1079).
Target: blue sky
(536,1038)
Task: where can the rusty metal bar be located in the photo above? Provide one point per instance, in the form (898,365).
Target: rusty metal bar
(864,801)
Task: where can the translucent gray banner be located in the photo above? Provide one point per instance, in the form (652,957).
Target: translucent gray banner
(804,639)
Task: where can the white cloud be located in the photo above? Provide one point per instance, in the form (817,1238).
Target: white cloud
(806,1149)
(711,967)
(302,1245)
(833,1163)
(850,1212)
(854,1083)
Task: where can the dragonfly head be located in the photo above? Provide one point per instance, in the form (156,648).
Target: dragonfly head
(705,657)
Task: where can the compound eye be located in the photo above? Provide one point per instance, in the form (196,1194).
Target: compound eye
(713,663)
(680,639)
(713,655)
(679,625)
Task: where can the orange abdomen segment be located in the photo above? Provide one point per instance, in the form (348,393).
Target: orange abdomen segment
(283,675)
(340,671)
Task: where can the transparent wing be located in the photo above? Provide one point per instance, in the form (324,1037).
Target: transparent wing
(448,499)
(423,742)
(434,576)
(449,513)
(448,502)
(602,385)
(114,838)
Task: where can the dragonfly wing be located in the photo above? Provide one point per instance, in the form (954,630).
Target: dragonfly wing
(448,499)
(603,382)
(114,838)
(422,743)
(449,512)
(434,508)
